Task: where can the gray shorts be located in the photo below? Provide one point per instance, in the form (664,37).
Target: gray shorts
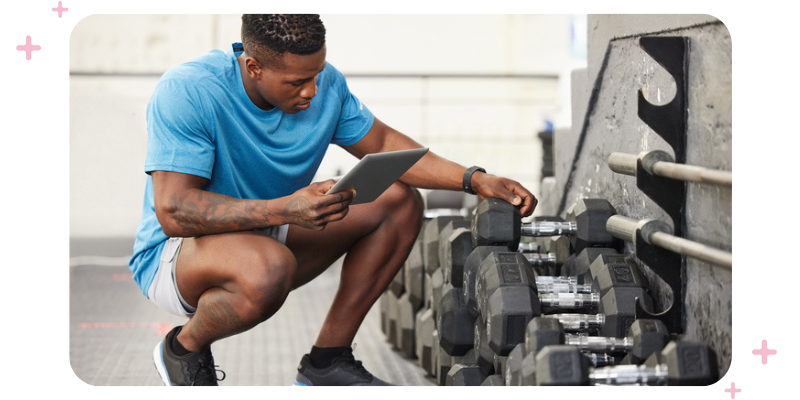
(163,290)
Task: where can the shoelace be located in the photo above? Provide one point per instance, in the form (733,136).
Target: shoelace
(211,371)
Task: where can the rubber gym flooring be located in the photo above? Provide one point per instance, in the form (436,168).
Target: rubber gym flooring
(114,328)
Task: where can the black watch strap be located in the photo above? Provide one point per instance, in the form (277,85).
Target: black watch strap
(466,182)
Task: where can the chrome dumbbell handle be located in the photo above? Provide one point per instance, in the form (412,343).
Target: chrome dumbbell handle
(580,322)
(548,228)
(569,300)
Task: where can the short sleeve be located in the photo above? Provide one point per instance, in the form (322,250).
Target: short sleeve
(355,119)
(177,138)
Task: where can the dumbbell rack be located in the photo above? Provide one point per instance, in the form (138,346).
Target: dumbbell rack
(669,122)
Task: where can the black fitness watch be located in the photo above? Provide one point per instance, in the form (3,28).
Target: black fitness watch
(466,183)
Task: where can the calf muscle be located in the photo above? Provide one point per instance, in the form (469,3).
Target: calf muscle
(216,319)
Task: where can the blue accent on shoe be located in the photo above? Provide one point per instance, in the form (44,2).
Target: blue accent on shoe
(296,383)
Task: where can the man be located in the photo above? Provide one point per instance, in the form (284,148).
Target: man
(231,221)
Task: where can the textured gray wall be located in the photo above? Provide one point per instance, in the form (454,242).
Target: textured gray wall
(604,109)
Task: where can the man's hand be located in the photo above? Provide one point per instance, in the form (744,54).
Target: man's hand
(311,208)
(487,185)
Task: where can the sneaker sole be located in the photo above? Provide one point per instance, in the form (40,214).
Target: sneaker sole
(158,361)
(296,383)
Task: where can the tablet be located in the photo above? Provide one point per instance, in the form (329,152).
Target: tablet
(376,172)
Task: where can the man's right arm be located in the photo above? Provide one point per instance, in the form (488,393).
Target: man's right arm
(184,209)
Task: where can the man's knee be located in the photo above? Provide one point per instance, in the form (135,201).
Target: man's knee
(405,199)
(266,279)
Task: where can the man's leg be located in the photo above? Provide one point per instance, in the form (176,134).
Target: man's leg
(377,238)
(235,280)
(238,280)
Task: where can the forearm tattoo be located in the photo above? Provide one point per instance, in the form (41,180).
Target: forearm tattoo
(210,213)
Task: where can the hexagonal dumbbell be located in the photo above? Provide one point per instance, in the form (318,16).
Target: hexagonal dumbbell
(465,372)
(430,240)
(405,327)
(496,222)
(679,363)
(512,269)
(646,337)
(479,254)
(454,322)
(509,308)
(484,355)
(423,334)
(493,380)
(414,276)
(455,245)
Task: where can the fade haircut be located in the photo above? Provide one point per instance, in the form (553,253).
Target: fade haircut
(267,36)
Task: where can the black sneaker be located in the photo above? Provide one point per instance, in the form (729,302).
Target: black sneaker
(344,371)
(193,369)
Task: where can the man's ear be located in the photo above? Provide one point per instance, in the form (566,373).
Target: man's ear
(253,67)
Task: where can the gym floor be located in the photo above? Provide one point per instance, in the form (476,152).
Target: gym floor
(114,328)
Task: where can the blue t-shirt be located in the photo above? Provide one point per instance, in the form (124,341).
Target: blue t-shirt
(200,121)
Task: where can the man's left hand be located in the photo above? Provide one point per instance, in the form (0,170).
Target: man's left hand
(487,185)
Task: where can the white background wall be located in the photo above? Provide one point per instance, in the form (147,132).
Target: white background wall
(115,61)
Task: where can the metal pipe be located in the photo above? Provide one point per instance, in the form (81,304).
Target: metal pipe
(660,163)
(658,233)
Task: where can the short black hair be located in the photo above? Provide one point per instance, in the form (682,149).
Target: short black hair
(268,36)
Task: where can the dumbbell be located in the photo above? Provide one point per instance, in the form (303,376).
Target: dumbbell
(410,302)
(510,308)
(390,313)
(430,240)
(423,333)
(509,268)
(544,284)
(679,363)
(527,373)
(437,288)
(607,271)
(646,337)
(444,362)
(405,325)
(523,373)
(454,317)
(493,380)
(496,222)
(414,276)
(484,355)
(580,264)
(454,322)
(506,270)
(465,372)
(455,247)
(511,368)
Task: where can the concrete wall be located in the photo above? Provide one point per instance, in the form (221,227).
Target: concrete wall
(608,122)
(115,62)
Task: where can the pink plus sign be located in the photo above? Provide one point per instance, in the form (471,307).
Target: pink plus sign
(733,390)
(60,9)
(28,48)
(764,352)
